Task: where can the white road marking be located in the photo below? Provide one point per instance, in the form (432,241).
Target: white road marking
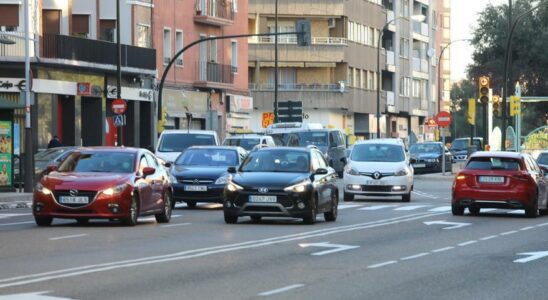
(453,225)
(176,216)
(443,249)
(377,207)
(423,194)
(415,256)
(488,237)
(509,232)
(410,207)
(440,209)
(173,225)
(67,237)
(540,225)
(336,247)
(382,264)
(516,212)
(467,243)
(32,296)
(531,256)
(147,219)
(5,216)
(527,228)
(281,290)
(17,223)
(347,206)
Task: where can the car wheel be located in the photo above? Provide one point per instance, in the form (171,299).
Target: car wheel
(43,221)
(165,215)
(82,221)
(191,204)
(457,210)
(255,219)
(230,218)
(331,216)
(406,197)
(310,217)
(131,219)
(474,210)
(532,212)
(348,197)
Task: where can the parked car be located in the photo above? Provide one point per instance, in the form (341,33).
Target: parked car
(49,157)
(330,142)
(201,173)
(248,141)
(282,182)
(378,168)
(542,161)
(500,180)
(104,182)
(459,147)
(173,142)
(428,157)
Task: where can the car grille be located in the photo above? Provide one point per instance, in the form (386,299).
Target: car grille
(195,181)
(90,194)
(377,188)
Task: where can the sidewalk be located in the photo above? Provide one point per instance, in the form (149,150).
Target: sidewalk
(15,200)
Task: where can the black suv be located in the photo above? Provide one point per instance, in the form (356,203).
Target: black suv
(284,182)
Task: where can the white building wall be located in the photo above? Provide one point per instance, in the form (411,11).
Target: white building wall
(86,7)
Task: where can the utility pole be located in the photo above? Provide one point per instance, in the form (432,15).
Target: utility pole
(118,68)
(505,80)
(276,62)
(29,149)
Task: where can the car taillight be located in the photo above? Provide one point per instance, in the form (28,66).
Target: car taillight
(521,176)
(461,177)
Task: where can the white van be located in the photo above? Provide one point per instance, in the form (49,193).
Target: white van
(280,131)
(173,142)
(248,141)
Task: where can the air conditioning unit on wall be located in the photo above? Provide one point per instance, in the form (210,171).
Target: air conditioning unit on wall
(331,23)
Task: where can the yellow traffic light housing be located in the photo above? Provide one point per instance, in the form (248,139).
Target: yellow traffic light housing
(496,105)
(471,118)
(515,105)
(484,89)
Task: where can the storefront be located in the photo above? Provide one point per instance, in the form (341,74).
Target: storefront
(239,109)
(178,104)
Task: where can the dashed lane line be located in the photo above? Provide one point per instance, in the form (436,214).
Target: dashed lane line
(509,232)
(415,256)
(443,249)
(467,243)
(68,237)
(281,290)
(488,237)
(377,207)
(410,207)
(382,264)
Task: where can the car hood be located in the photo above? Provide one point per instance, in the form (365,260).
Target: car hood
(425,155)
(383,167)
(85,181)
(198,172)
(268,179)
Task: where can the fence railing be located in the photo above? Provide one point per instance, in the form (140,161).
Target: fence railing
(337,41)
(314,87)
(214,72)
(215,8)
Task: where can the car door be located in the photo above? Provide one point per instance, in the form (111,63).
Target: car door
(322,181)
(337,150)
(537,174)
(156,180)
(144,186)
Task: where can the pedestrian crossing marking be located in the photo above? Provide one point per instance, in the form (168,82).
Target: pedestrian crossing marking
(411,207)
(346,206)
(440,209)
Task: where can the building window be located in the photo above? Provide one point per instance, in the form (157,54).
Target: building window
(235,5)
(213,50)
(143,36)
(234,58)
(9,16)
(179,43)
(167,45)
(349,76)
(80,26)
(446,22)
(106,30)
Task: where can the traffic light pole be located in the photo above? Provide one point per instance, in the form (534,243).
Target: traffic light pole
(120,140)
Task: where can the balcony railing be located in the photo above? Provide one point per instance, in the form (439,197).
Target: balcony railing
(99,52)
(390,98)
(390,58)
(420,28)
(214,12)
(16,49)
(336,41)
(318,87)
(214,72)
(420,65)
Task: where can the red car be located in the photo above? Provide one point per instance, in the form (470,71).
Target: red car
(500,180)
(104,182)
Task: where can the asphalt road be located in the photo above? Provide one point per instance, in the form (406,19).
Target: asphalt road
(377,249)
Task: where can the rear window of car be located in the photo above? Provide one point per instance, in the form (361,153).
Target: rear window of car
(493,163)
(246,143)
(178,142)
(543,159)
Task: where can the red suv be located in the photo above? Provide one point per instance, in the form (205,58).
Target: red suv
(500,180)
(104,182)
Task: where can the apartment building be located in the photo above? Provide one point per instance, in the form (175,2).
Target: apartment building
(209,80)
(73,66)
(336,77)
(443,38)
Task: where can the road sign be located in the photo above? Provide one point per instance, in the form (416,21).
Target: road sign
(119,106)
(268,119)
(119,120)
(290,111)
(443,119)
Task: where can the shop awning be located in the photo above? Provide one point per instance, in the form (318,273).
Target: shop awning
(7,104)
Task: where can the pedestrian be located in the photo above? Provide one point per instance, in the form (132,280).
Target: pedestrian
(54,143)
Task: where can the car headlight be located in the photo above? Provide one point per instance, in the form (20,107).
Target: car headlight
(222,179)
(42,189)
(231,186)
(351,171)
(401,172)
(115,190)
(299,187)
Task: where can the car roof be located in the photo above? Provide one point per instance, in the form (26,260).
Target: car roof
(216,147)
(246,136)
(427,143)
(191,131)
(381,141)
(300,149)
(503,154)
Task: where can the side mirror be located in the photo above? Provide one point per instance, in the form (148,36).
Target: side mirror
(51,168)
(148,171)
(231,170)
(168,164)
(412,160)
(321,171)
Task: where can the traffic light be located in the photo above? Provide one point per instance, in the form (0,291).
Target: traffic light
(484,89)
(472,111)
(514,105)
(303,37)
(496,105)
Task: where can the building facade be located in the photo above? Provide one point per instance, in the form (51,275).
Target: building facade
(209,80)
(443,39)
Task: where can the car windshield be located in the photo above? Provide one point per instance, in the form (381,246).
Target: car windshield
(99,161)
(246,143)
(543,159)
(425,148)
(49,154)
(208,158)
(306,138)
(377,152)
(493,163)
(178,142)
(277,161)
(280,139)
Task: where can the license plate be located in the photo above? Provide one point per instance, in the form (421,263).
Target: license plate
(196,188)
(263,199)
(419,165)
(73,200)
(374,182)
(491,179)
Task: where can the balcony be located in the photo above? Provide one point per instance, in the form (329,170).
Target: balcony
(97,52)
(292,40)
(214,12)
(390,16)
(213,75)
(420,28)
(323,49)
(299,87)
(391,61)
(299,8)
(420,65)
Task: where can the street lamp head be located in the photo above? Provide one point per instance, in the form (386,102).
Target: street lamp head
(6,41)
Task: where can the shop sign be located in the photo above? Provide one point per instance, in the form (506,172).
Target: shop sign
(241,103)
(83,89)
(179,102)
(12,85)
(129,93)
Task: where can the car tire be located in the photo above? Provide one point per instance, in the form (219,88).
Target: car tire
(191,204)
(543,212)
(532,211)
(131,219)
(348,197)
(310,217)
(331,216)
(457,210)
(255,219)
(474,211)
(43,221)
(82,221)
(230,218)
(406,197)
(165,215)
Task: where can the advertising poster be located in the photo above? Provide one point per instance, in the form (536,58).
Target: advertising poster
(16,139)
(6,144)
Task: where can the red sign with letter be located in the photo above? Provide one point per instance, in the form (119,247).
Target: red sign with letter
(443,119)
(119,106)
